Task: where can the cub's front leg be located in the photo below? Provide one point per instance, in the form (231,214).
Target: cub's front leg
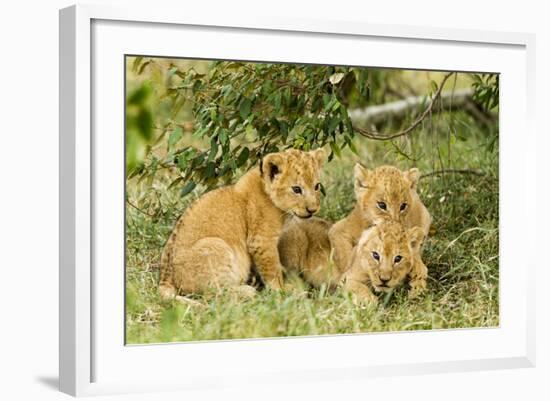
(356,281)
(361,292)
(419,277)
(265,255)
(342,247)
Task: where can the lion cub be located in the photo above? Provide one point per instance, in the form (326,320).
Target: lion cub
(385,193)
(224,232)
(383,257)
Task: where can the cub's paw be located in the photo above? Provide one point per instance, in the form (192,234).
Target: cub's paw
(364,298)
(167,292)
(245,292)
(275,284)
(417,289)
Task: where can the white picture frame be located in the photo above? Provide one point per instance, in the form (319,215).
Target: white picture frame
(93,357)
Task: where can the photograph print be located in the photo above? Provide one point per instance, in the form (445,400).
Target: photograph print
(272,199)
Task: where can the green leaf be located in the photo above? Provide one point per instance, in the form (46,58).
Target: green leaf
(326,101)
(249,130)
(336,149)
(182,162)
(213,114)
(200,132)
(433,84)
(243,156)
(245,108)
(187,188)
(223,137)
(145,124)
(277,102)
(333,123)
(175,182)
(174,137)
(142,68)
(213,149)
(288,97)
(141,94)
(329,103)
(353,148)
(136,63)
(210,170)
(180,101)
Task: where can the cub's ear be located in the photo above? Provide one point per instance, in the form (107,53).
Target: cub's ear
(416,237)
(412,175)
(271,165)
(362,177)
(319,155)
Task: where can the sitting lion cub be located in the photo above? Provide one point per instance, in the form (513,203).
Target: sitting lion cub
(385,193)
(224,232)
(383,257)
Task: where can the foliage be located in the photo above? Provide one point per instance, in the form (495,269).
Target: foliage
(245,110)
(139,125)
(486,90)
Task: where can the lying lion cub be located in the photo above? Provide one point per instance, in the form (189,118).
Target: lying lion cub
(224,232)
(384,256)
(385,193)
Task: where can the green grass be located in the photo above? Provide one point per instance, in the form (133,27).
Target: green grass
(461,255)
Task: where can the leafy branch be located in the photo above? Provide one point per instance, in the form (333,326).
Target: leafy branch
(224,118)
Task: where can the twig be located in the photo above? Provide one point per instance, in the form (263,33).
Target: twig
(469,230)
(139,210)
(372,135)
(454,171)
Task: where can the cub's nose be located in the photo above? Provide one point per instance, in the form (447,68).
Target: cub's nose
(312,210)
(384,280)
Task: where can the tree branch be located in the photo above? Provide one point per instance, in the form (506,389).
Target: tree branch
(384,137)
(454,171)
(139,210)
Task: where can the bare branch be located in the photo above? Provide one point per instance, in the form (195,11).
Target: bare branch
(454,171)
(139,210)
(384,137)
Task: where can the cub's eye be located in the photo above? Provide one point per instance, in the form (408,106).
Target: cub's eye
(397,259)
(382,205)
(297,190)
(375,255)
(403,206)
(318,186)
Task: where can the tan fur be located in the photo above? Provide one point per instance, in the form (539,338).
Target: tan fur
(388,239)
(393,187)
(304,247)
(226,231)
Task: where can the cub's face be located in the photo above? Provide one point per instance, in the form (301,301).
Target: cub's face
(292,180)
(386,252)
(385,193)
